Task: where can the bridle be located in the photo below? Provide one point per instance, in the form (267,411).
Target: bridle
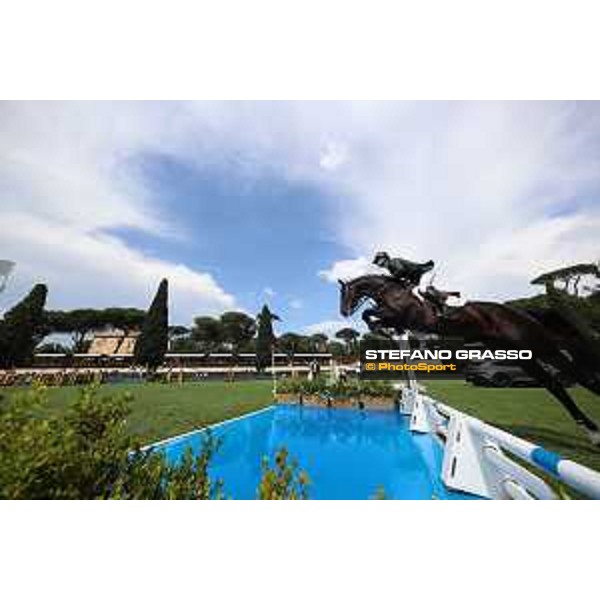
(363,297)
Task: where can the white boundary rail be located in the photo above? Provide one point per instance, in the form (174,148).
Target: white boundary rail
(160,443)
(478,457)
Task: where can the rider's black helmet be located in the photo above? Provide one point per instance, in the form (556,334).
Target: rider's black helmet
(381,258)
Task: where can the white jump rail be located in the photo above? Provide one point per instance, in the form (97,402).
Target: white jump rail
(478,457)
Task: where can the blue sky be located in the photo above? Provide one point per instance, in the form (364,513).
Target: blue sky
(238,203)
(263,238)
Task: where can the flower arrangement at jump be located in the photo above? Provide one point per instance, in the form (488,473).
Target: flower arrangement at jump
(321,391)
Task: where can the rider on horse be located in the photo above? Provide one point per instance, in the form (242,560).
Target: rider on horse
(409,274)
(404,271)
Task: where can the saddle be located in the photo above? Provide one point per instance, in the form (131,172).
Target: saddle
(438,298)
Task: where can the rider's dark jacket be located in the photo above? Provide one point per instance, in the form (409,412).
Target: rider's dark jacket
(403,269)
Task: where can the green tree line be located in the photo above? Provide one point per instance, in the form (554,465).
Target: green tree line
(27,324)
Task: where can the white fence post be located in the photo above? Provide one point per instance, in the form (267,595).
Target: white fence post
(464,466)
(419,418)
(475,460)
(407,400)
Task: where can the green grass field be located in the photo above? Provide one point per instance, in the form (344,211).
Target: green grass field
(160,410)
(530,413)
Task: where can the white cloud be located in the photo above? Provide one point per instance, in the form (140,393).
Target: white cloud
(95,269)
(333,156)
(327,327)
(348,269)
(330,328)
(269,292)
(296,304)
(67,179)
(494,192)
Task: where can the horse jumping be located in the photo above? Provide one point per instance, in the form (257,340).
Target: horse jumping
(495,325)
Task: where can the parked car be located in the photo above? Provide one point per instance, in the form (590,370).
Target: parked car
(501,373)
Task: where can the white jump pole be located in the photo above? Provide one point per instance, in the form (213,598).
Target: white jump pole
(409,401)
(274,376)
(579,477)
(404,344)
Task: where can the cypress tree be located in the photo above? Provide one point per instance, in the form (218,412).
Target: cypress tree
(153,341)
(265,338)
(22,328)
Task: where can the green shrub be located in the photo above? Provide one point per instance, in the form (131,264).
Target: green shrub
(289,385)
(378,388)
(87,453)
(317,385)
(380,493)
(351,388)
(283,481)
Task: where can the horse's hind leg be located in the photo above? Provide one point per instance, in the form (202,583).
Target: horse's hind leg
(555,387)
(579,371)
(584,377)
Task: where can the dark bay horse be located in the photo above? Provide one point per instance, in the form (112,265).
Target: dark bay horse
(497,326)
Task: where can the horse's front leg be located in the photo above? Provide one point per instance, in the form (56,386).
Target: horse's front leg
(390,320)
(377,324)
(375,320)
(371,317)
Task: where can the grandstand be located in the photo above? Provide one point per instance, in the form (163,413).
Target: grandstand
(210,363)
(115,341)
